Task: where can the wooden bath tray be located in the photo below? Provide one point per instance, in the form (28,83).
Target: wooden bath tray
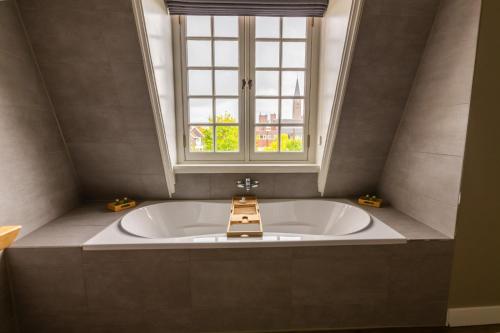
(8,234)
(245,218)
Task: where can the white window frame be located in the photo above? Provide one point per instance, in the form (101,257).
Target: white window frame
(246,155)
(212,156)
(280,156)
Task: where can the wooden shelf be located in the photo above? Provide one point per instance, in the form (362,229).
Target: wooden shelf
(8,234)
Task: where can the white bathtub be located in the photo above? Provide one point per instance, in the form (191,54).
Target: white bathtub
(202,224)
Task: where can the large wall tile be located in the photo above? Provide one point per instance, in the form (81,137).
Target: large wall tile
(441,130)
(290,185)
(251,283)
(91,61)
(12,36)
(390,41)
(423,171)
(137,280)
(81,40)
(20,83)
(359,175)
(34,164)
(80,84)
(47,281)
(363,284)
(93,124)
(120,36)
(130,83)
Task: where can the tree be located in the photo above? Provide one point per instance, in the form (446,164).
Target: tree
(287,144)
(226,137)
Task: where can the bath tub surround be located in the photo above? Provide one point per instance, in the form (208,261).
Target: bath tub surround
(202,224)
(170,285)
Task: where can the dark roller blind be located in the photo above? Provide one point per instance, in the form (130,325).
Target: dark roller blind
(248,7)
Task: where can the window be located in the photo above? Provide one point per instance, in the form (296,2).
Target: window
(245,88)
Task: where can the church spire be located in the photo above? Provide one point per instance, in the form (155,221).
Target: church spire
(297,103)
(297,88)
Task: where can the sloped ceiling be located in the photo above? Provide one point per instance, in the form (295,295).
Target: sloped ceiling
(391,38)
(90,58)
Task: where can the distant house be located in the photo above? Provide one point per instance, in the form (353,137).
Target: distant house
(196,139)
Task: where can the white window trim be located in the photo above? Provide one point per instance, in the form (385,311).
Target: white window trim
(166,156)
(247,168)
(246,155)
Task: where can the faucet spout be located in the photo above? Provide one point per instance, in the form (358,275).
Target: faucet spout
(247,184)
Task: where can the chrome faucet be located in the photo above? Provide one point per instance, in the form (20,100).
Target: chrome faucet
(247,184)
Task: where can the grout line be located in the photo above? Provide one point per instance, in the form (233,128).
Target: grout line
(398,151)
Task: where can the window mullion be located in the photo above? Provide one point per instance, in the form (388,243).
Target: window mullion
(279,83)
(248,73)
(212,49)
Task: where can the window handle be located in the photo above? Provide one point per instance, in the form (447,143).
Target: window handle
(250,84)
(243,83)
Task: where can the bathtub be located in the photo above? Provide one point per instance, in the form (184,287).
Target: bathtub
(202,224)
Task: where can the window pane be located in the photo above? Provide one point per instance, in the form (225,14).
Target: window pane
(226,83)
(292,139)
(226,26)
(199,53)
(292,83)
(227,139)
(267,54)
(292,111)
(294,54)
(294,27)
(226,110)
(266,83)
(226,53)
(266,138)
(201,139)
(266,110)
(200,110)
(198,26)
(267,27)
(200,82)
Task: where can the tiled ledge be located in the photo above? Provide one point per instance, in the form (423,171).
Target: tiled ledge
(72,229)
(402,223)
(86,221)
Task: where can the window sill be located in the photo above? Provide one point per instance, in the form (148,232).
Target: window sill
(246,168)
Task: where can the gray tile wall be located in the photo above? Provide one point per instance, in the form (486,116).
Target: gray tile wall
(90,58)
(37,180)
(7,322)
(392,35)
(223,186)
(231,290)
(422,173)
